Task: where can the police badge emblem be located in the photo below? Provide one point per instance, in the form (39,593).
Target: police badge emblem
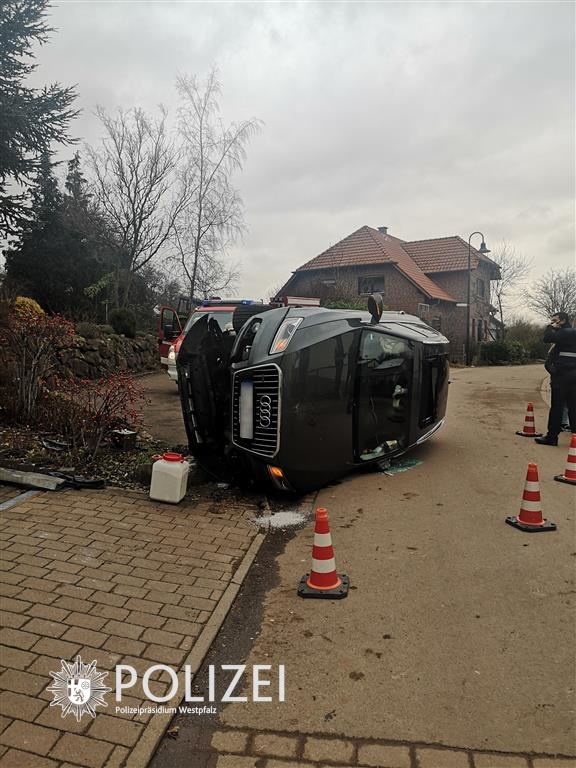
(78,688)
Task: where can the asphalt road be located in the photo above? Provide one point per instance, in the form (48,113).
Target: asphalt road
(458,629)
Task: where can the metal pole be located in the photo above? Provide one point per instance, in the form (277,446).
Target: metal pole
(468,360)
(468,308)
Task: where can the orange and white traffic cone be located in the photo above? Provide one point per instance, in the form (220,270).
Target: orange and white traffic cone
(529,428)
(569,475)
(323,581)
(530,518)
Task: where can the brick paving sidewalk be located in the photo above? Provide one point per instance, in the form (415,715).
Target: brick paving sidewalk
(7,493)
(111,576)
(239,748)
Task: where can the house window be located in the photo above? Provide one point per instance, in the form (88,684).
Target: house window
(423,309)
(368,285)
(480,288)
(480,327)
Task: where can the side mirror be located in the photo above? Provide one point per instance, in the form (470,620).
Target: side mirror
(375,307)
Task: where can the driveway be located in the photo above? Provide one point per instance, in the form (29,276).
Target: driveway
(455,646)
(162,414)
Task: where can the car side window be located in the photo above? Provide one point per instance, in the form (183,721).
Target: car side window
(380,350)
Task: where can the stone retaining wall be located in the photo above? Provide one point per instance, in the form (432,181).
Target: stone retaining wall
(98,357)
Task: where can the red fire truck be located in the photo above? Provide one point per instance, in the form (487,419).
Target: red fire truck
(174,324)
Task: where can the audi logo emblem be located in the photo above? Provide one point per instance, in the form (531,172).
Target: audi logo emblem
(265,411)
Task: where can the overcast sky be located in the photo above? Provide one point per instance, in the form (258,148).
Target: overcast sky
(430,118)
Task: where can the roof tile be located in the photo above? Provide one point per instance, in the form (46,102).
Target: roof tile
(444,254)
(369,246)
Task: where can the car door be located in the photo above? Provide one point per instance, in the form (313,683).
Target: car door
(384,389)
(169,328)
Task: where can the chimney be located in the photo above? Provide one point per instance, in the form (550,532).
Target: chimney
(383,230)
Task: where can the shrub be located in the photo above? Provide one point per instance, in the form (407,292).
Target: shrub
(87,411)
(502,352)
(106,330)
(24,304)
(124,322)
(529,334)
(88,330)
(29,347)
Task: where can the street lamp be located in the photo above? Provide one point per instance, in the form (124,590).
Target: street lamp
(482,249)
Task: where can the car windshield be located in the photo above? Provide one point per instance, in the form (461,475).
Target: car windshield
(223,318)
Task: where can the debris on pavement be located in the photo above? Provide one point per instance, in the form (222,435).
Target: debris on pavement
(30,479)
(281,520)
(49,480)
(78,481)
(399,466)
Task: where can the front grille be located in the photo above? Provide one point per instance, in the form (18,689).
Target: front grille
(266,414)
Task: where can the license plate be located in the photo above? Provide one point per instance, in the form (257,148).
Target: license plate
(246,410)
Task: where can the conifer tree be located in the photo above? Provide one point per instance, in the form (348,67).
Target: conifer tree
(59,254)
(30,119)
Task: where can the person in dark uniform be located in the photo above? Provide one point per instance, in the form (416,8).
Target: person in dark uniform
(561,365)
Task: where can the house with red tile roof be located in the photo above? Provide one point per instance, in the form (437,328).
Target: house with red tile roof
(428,278)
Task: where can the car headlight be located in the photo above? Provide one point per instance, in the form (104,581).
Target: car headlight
(172,353)
(284,334)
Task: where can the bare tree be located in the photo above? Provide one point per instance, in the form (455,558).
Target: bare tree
(137,186)
(212,219)
(213,274)
(554,292)
(273,292)
(514,270)
(338,287)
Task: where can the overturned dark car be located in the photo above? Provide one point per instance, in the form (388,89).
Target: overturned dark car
(297,397)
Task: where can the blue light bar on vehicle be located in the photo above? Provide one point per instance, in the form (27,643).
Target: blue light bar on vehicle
(215,302)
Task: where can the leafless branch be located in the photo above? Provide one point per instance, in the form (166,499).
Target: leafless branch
(211,219)
(554,292)
(514,270)
(137,184)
